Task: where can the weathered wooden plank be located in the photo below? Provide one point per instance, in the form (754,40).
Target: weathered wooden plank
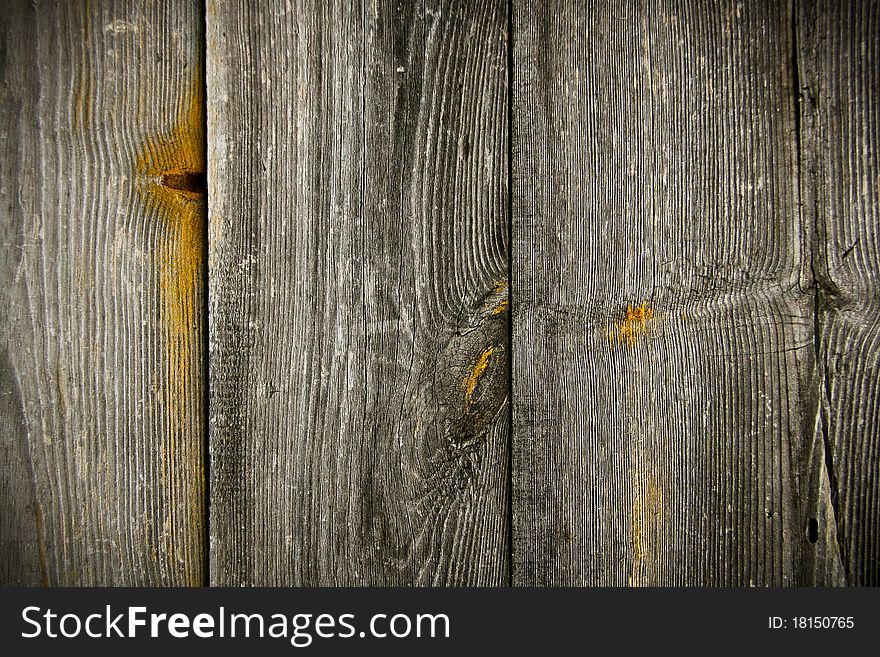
(358,259)
(839,66)
(101,273)
(663,319)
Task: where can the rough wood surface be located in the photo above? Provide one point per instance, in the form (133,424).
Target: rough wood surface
(839,71)
(358,258)
(663,314)
(102,333)
(695,290)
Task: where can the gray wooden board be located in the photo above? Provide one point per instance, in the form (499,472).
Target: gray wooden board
(839,67)
(101,273)
(358,318)
(655,162)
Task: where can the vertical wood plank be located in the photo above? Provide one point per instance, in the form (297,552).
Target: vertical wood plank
(102,220)
(839,57)
(663,327)
(358,292)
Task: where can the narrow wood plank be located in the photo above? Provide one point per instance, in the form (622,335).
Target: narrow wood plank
(663,319)
(102,222)
(839,56)
(358,301)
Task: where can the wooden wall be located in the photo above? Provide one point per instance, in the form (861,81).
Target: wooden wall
(449,292)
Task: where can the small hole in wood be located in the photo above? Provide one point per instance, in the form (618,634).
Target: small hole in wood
(194,182)
(812,530)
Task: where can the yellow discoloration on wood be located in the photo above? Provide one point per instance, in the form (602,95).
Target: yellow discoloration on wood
(500,286)
(500,308)
(635,528)
(646,513)
(165,166)
(470,382)
(637,322)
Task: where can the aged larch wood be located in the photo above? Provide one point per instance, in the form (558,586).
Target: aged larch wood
(103,336)
(663,311)
(839,73)
(631,339)
(358,292)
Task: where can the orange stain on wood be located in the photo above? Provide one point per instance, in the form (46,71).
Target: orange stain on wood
(167,168)
(171,178)
(470,382)
(636,323)
(635,526)
(500,308)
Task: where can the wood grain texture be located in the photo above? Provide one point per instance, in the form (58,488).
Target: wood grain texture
(839,65)
(663,317)
(102,222)
(358,316)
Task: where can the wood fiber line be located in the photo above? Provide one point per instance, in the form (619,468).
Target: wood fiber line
(663,332)
(839,73)
(102,220)
(358,266)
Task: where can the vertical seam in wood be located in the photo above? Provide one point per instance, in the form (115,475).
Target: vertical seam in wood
(206,364)
(364,27)
(510,291)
